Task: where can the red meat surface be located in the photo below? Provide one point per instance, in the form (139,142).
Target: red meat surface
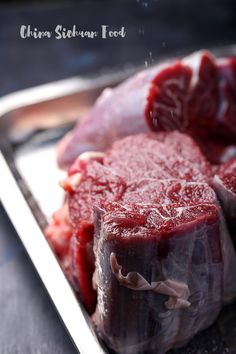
(160,156)
(149,200)
(153,269)
(144,234)
(194,95)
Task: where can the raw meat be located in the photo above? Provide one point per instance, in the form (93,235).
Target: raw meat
(194,95)
(159,274)
(161,271)
(161,156)
(82,264)
(94,177)
(185,96)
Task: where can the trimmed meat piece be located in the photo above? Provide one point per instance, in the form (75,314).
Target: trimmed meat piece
(162,252)
(88,181)
(95,176)
(185,96)
(194,95)
(159,274)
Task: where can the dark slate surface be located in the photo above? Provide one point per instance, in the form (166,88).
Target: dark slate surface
(28,321)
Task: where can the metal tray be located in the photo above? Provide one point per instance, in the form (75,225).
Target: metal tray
(31,122)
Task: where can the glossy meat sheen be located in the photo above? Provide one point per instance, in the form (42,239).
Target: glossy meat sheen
(159,243)
(194,95)
(162,252)
(117,176)
(161,156)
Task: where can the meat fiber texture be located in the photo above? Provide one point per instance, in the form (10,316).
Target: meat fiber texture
(150,238)
(196,95)
(159,274)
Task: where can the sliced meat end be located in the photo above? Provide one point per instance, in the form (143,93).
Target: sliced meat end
(161,156)
(194,95)
(184,96)
(166,107)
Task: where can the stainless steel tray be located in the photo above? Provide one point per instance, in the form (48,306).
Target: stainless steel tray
(31,122)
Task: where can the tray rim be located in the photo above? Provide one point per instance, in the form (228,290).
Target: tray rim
(60,88)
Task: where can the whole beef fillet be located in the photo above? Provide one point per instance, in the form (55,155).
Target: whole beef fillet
(95,176)
(194,95)
(165,170)
(149,241)
(160,156)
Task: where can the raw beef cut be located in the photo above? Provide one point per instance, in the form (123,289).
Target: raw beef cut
(194,95)
(96,176)
(159,274)
(82,264)
(117,113)
(185,96)
(149,243)
(87,182)
(144,233)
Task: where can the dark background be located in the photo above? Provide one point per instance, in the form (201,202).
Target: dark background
(28,321)
(154,28)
